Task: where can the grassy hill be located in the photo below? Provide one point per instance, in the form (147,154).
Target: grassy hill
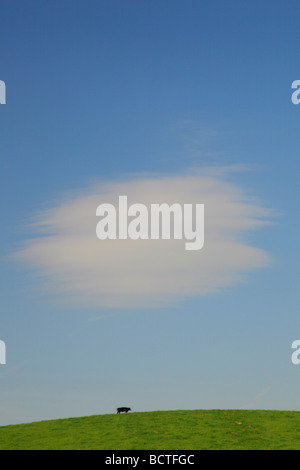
(166,430)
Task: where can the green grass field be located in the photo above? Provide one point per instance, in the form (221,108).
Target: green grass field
(160,430)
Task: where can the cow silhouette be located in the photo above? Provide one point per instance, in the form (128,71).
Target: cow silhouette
(123,409)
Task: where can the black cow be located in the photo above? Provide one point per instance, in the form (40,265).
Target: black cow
(123,409)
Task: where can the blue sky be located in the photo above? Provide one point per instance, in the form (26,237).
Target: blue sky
(127,92)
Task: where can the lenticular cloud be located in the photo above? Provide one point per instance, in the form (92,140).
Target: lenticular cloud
(72,264)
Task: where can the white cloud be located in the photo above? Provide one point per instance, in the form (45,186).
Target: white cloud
(78,267)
